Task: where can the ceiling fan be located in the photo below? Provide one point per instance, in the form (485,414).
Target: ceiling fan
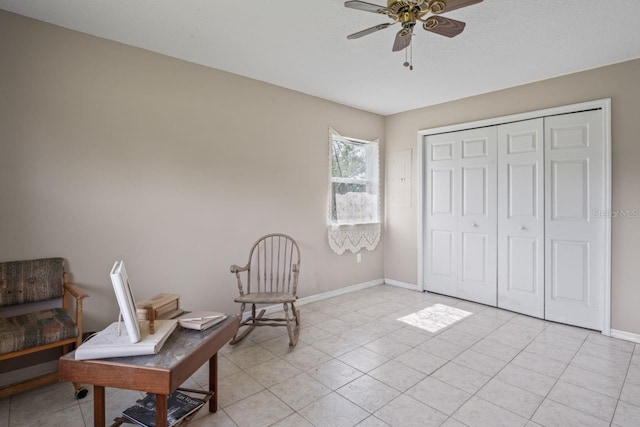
(408,13)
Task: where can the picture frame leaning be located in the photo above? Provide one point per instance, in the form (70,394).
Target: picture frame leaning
(124,296)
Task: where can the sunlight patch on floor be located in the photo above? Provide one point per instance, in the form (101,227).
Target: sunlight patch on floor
(436,317)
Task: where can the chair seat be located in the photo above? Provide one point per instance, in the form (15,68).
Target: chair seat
(266,298)
(35,329)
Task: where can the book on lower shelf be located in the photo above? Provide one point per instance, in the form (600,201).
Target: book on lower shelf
(200,320)
(179,406)
(113,341)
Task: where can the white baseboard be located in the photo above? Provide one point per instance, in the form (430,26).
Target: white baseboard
(24,374)
(341,291)
(624,335)
(400,284)
(319,297)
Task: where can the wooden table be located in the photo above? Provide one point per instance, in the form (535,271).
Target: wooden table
(183,353)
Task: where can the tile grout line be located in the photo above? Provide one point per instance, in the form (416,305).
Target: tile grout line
(622,388)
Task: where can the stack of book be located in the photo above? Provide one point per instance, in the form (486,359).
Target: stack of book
(179,406)
(166,306)
(200,320)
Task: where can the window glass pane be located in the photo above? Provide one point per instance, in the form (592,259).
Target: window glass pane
(348,160)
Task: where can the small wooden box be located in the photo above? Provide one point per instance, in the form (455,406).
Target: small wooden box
(165,306)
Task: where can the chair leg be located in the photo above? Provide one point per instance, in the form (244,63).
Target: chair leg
(296,313)
(294,332)
(80,392)
(237,338)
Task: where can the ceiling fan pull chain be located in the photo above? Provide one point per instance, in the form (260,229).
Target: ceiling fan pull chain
(411,57)
(408,57)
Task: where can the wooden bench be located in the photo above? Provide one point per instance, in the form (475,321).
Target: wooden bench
(26,326)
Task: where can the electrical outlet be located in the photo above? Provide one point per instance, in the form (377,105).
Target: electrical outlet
(358,257)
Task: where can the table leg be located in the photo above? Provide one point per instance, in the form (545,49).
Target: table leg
(98,406)
(161,410)
(213,383)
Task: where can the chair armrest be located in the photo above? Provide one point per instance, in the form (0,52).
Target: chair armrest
(75,291)
(238,269)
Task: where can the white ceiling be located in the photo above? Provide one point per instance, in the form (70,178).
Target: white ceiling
(302,44)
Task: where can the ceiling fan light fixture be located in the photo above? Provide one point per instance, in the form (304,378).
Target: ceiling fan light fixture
(408,13)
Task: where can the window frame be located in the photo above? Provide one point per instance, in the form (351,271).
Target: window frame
(371,182)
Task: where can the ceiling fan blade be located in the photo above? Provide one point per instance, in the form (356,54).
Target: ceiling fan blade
(403,39)
(457,4)
(361,5)
(369,31)
(444,26)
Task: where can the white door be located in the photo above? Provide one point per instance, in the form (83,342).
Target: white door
(460,232)
(574,233)
(521,217)
(440,252)
(477,222)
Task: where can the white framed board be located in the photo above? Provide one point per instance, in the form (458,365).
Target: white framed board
(122,288)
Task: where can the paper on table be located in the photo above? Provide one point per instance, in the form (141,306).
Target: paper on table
(108,343)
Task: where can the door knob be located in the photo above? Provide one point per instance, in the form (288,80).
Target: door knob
(522,227)
(474,225)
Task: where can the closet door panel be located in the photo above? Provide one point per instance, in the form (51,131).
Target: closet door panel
(521,217)
(574,237)
(440,252)
(477,226)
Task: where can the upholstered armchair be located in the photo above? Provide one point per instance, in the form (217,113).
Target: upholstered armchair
(34,305)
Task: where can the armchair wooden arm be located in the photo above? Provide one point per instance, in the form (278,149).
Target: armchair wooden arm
(78,295)
(75,291)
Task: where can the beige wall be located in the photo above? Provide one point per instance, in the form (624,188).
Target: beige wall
(621,83)
(111,152)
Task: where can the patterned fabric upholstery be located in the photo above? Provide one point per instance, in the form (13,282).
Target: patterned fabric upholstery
(31,281)
(34,329)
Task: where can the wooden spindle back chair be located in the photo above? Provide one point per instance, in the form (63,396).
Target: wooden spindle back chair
(271,277)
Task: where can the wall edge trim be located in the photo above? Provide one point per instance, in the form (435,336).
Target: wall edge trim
(322,296)
(624,335)
(400,284)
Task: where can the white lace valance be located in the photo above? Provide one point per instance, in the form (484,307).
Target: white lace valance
(354,237)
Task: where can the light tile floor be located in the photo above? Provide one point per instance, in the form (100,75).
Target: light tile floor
(357,364)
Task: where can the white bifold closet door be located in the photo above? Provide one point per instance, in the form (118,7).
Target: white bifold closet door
(461,217)
(515,217)
(574,233)
(521,217)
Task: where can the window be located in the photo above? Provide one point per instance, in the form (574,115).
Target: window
(354,181)
(354,205)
